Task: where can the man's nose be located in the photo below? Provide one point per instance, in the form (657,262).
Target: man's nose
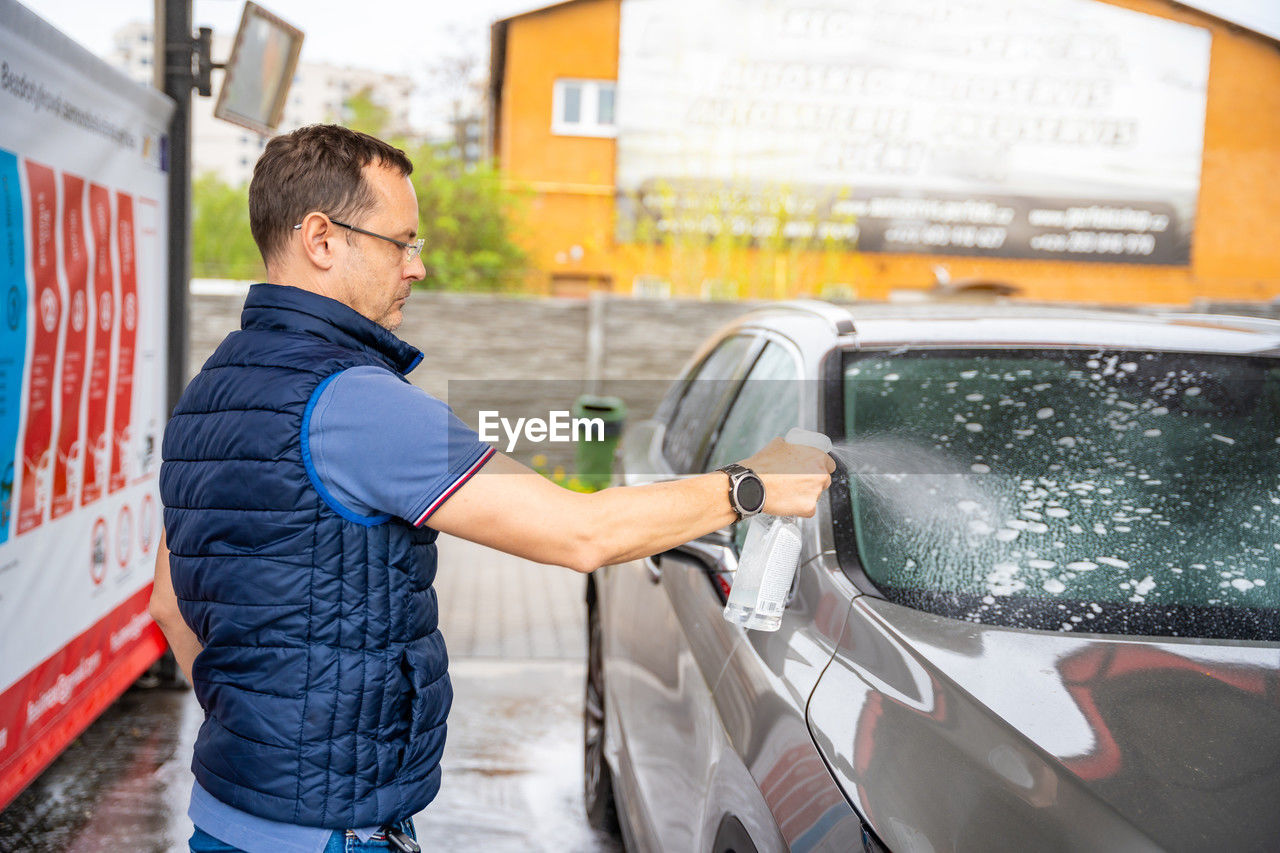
(417,269)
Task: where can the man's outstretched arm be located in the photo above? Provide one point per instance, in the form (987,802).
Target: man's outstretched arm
(164,609)
(511,508)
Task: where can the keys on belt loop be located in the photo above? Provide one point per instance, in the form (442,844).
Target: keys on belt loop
(400,840)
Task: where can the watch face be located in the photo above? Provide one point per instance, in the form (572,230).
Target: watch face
(750,494)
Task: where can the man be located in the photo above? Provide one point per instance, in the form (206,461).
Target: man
(301,471)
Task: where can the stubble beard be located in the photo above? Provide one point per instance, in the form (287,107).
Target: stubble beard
(392,320)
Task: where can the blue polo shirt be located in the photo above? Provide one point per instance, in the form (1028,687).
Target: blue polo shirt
(377,445)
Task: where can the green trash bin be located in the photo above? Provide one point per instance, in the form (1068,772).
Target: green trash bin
(594,453)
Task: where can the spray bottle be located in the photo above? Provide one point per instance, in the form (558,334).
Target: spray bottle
(770,556)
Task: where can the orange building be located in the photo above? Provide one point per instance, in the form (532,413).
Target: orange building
(552,133)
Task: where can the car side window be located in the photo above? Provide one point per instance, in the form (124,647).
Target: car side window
(703,397)
(767,405)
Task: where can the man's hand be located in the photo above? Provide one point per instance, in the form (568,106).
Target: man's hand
(164,609)
(794,477)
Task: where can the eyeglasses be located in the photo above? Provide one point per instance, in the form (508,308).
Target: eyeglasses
(412,249)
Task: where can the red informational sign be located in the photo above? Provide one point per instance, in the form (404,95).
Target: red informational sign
(51,704)
(122,438)
(97,450)
(69,463)
(37,445)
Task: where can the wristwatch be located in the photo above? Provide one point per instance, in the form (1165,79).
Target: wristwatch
(746,490)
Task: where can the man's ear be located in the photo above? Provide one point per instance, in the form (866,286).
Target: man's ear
(317,234)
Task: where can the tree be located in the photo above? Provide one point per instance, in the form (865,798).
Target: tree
(361,112)
(465,213)
(221,244)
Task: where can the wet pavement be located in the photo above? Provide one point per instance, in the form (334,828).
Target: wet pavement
(512,764)
(122,785)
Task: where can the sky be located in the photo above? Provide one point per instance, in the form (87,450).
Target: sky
(393,36)
(402,36)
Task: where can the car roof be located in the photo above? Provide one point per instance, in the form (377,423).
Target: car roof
(1013,325)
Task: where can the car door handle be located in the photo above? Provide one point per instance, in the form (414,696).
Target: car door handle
(714,552)
(654,568)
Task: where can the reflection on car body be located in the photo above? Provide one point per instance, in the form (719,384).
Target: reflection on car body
(1037,610)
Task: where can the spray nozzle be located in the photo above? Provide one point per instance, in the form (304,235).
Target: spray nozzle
(809,438)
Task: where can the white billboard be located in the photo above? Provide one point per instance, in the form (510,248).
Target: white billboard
(83,318)
(1055,129)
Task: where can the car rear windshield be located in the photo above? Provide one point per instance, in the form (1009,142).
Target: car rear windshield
(1103,491)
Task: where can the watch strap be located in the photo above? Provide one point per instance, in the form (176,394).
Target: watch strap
(736,473)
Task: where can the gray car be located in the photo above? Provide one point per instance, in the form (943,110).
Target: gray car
(1037,610)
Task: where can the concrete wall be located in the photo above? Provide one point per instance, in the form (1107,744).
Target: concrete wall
(523,356)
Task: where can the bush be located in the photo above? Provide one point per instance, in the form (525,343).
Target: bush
(221,245)
(464,215)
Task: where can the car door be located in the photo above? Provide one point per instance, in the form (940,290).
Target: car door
(685,744)
(658,666)
(769,774)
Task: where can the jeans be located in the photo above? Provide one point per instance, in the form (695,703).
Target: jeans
(339,842)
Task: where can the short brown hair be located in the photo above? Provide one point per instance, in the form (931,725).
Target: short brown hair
(318,167)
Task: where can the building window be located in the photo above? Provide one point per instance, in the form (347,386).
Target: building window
(583,108)
(571,104)
(604,105)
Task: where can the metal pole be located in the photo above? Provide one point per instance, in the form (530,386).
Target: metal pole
(595,340)
(173,61)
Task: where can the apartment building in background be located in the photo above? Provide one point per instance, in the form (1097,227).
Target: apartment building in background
(318,94)
(1118,151)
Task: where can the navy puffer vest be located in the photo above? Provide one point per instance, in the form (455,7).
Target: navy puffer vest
(323,676)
